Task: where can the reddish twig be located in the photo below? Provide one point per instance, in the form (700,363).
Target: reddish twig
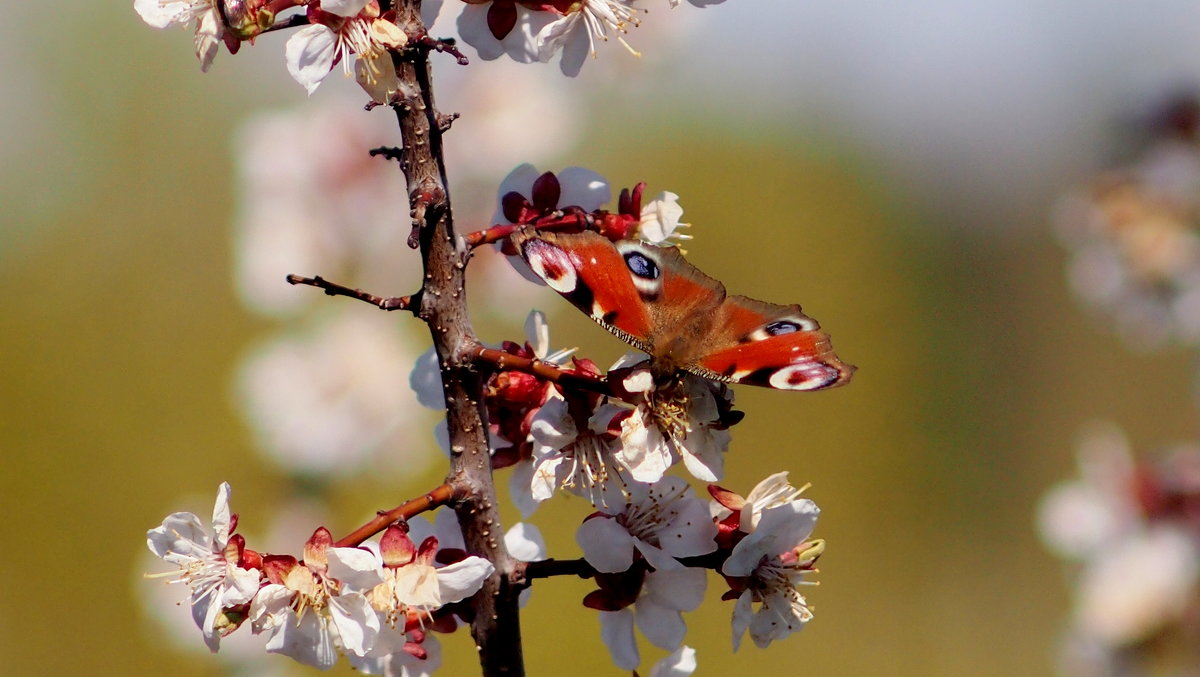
(543,370)
(446,45)
(570,222)
(441,495)
(334,289)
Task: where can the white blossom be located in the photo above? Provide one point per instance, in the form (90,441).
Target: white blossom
(208,565)
(657,612)
(209,29)
(774,560)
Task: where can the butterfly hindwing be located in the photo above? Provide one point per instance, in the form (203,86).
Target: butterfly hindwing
(770,345)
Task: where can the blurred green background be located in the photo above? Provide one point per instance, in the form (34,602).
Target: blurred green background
(935,274)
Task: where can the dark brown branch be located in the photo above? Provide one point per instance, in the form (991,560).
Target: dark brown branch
(495,624)
(448,46)
(556,567)
(334,289)
(290,22)
(441,495)
(538,368)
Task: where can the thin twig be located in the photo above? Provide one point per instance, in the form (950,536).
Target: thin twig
(440,495)
(543,370)
(334,289)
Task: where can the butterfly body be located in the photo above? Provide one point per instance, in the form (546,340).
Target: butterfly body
(653,299)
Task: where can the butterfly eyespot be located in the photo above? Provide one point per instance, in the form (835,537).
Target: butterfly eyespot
(552,265)
(781,327)
(804,377)
(642,266)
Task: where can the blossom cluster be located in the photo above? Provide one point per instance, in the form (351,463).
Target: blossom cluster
(375,603)
(361,35)
(1133,236)
(648,543)
(1130,530)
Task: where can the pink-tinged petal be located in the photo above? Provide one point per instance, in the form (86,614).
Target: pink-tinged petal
(606,545)
(357,568)
(462,579)
(663,627)
(681,589)
(583,188)
(681,663)
(377,77)
(537,332)
(396,546)
(356,622)
(525,542)
(743,611)
(209,35)
(309,54)
(616,630)
(346,8)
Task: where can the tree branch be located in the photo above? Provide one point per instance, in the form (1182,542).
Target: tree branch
(441,495)
(334,289)
(496,622)
(538,368)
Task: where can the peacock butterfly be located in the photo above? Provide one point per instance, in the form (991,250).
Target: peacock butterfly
(653,299)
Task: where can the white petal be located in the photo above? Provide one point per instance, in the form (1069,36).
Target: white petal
(680,589)
(663,627)
(221,516)
(343,7)
(742,613)
(430,9)
(657,557)
(426,381)
(462,579)
(553,426)
(704,453)
(447,530)
(681,663)
(356,622)
(473,28)
(523,487)
(537,332)
(357,568)
(525,542)
(616,629)
(606,544)
(309,54)
(584,188)
(240,587)
(160,14)
(692,532)
(181,537)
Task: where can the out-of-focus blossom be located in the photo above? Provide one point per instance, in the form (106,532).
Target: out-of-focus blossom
(1133,530)
(1079,517)
(1134,243)
(1138,585)
(502,27)
(330,399)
